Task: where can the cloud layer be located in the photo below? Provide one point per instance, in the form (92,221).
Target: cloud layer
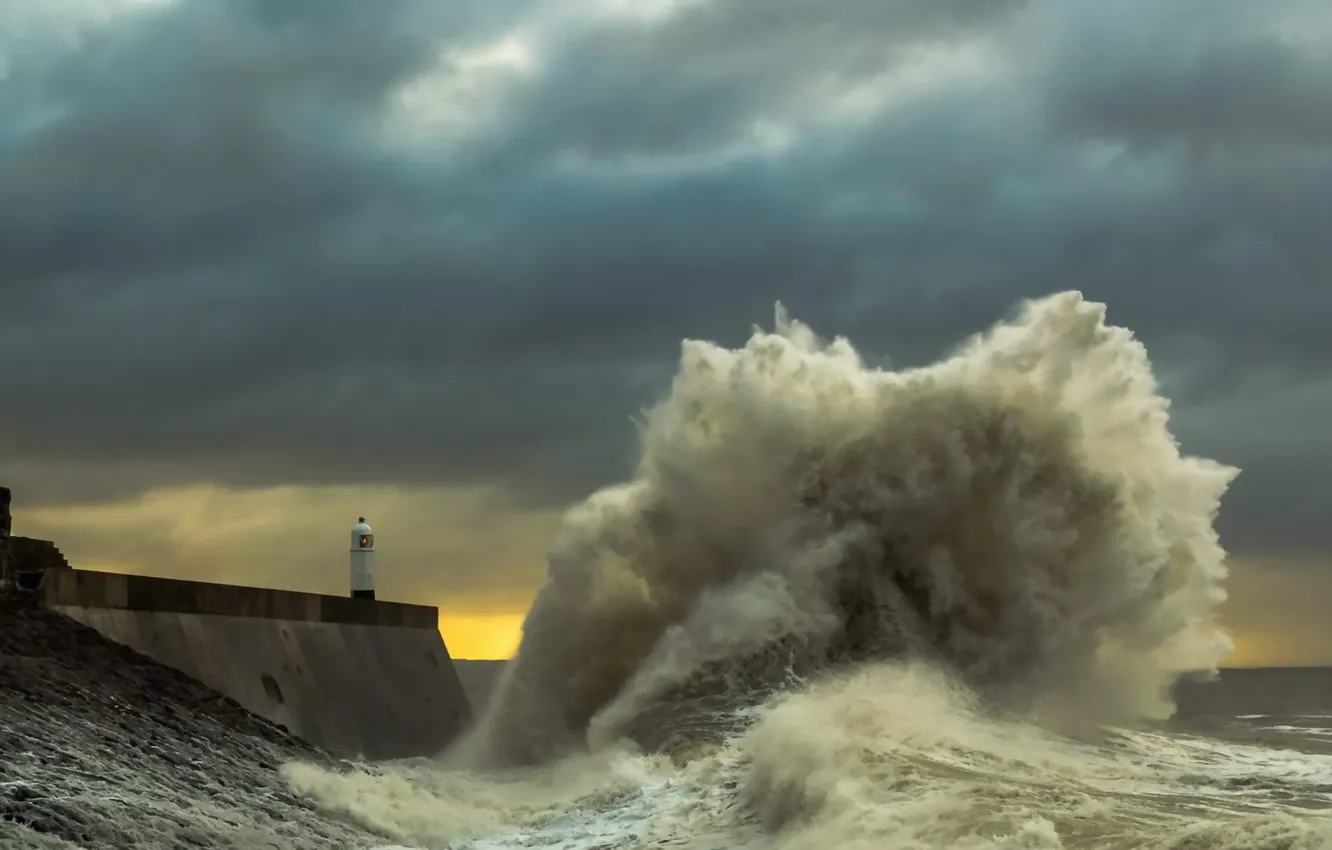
(325,242)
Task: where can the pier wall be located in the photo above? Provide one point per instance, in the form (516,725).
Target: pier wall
(358,677)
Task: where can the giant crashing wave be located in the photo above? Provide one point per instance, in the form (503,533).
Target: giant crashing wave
(1017,514)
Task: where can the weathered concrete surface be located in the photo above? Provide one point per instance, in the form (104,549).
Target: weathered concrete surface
(92,589)
(354,676)
(479,679)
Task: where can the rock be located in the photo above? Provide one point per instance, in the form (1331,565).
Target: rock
(103,747)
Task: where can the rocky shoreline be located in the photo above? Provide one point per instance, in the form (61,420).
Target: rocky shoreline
(101,747)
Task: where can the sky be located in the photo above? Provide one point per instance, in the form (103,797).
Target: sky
(270,265)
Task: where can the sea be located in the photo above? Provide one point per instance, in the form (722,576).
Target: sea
(970,605)
(894,757)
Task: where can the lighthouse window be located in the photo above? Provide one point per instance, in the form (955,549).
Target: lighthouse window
(367,540)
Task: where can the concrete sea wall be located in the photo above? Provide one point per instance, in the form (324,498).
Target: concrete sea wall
(357,677)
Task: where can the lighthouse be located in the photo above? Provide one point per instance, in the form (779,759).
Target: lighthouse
(362,560)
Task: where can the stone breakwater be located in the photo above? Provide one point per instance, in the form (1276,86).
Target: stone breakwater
(101,747)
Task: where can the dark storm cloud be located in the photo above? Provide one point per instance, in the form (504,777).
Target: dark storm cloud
(1242,73)
(222,256)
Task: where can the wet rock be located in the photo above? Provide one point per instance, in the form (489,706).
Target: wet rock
(101,747)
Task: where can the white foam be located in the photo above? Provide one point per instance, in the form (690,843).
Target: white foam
(1301,730)
(1028,486)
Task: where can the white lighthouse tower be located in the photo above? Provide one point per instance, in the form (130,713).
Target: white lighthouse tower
(362,561)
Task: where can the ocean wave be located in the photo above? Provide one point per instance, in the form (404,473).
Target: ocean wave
(856,607)
(886,755)
(1018,512)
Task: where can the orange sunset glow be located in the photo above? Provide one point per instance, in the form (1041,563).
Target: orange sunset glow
(481,637)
